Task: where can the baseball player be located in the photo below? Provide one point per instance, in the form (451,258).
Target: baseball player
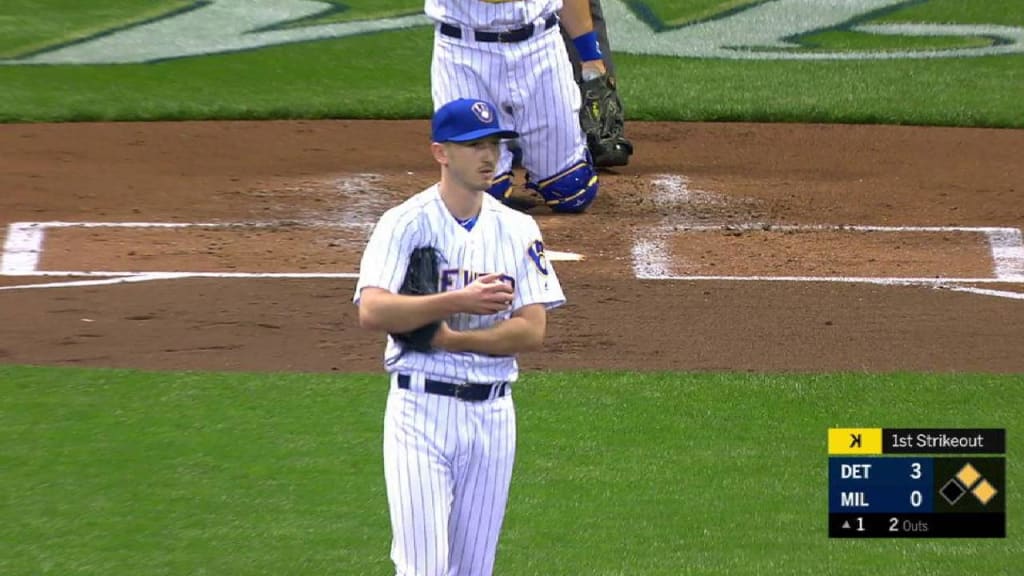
(601,115)
(509,52)
(449,425)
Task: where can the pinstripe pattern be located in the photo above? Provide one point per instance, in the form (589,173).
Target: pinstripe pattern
(500,243)
(448,462)
(530,82)
(494,16)
(448,468)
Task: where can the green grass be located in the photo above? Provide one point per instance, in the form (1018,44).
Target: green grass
(958,12)
(960,93)
(28,25)
(295,81)
(348,10)
(118,472)
(386,75)
(127,473)
(664,14)
(275,83)
(847,40)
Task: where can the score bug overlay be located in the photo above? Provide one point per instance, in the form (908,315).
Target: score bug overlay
(885,483)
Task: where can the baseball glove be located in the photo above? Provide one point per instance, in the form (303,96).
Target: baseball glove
(602,119)
(422,277)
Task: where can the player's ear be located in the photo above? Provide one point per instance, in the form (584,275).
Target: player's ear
(440,153)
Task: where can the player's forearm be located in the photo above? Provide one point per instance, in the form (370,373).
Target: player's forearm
(579,25)
(575,17)
(507,338)
(387,312)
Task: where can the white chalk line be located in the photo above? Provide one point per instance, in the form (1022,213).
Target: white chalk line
(107,278)
(81,283)
(179,274)
(284,224)
(986,292)
(24,246)
(883,280)
(652,257)
(1007,252)
(766,227)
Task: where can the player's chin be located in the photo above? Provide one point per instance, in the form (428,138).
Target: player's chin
(484,179)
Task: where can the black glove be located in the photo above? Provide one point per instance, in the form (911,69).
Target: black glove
(602,120)
(422,277)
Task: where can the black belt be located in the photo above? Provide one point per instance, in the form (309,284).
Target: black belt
(517,35)
(469,392)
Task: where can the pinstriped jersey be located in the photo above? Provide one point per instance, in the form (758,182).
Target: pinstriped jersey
(503,241)
(494,15)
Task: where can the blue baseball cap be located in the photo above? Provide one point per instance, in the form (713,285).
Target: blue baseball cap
(465,120)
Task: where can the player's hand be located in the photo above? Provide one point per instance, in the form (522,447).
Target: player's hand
(442,336)
(488,294)
(593,68)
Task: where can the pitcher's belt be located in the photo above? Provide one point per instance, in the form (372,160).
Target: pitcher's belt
(468,392)
(516,35)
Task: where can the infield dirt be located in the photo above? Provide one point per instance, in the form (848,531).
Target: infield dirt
(299,196)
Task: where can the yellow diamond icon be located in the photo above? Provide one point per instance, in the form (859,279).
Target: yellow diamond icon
(984,491)
(968,475)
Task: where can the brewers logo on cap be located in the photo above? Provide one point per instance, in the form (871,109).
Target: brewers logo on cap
(483,112)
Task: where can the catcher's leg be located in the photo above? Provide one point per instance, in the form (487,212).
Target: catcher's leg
(571,190)
(546,103)
(419,481)
(461,68)
(482,485)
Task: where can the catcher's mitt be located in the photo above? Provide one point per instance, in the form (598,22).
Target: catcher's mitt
(602,119)
(421,278)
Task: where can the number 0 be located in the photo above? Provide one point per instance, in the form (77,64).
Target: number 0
(915,470)
(915,498)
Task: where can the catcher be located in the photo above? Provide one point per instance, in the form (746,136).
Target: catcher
(602,117)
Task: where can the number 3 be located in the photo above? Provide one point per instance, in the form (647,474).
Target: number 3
(915,470)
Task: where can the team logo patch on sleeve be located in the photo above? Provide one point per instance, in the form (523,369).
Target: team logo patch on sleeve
(536,252)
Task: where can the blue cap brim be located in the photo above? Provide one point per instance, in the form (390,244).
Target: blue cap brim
(484,133)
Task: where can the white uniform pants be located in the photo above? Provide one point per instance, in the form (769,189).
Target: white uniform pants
(448,467)
(531,84)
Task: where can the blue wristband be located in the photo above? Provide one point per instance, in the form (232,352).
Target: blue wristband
(588,46)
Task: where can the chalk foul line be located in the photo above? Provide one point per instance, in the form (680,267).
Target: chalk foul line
(23,249)
(653,259)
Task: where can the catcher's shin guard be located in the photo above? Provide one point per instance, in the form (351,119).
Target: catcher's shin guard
(571,190)
(501,186)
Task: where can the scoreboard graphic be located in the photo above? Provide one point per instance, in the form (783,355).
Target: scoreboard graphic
(916,483)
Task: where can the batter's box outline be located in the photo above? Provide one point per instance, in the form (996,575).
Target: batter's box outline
(652,257)
(24,245)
